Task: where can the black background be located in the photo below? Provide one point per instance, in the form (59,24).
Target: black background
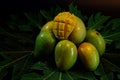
(20,6)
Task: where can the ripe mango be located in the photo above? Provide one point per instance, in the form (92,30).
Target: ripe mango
(79,32)
(65,54)
(97,40)
(88,55)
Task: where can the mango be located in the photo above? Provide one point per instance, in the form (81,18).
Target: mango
(97,40)
(79,32)
(45,43)
(88,55)
(64,24)
(65,54)
(47,26)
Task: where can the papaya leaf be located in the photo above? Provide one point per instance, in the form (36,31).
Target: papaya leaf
(49,73)
(113,37)
(110,66)
(20,68)
(99,71)
(96,21)
(12,62)
(103,73)
(39,66)
(5,33)
(4,60)
(117,43)
(4,56)
(46,15)
(67,76)
(3,73)
(77,75)
(118,76)
(112,26)
(111,32)
(31,76)
(32,18)
(25,28)
(108,76)
(46,71)
(113,58)
(16,72)
(49,15)
(74,9)
(55,75)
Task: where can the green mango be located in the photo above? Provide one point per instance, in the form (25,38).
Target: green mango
(45,43)
(88,55)
(79,32)
(97,40)
(47,26)
(65,54)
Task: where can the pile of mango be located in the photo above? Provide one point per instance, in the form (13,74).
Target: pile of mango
(68,39)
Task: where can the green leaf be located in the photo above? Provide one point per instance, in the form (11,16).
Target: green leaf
(12,62)
(113,25)
(55,75)
(104,73)
(39,66)
(107,77)
(118,76)
(4,56)
(73,9)
(4,59)
(100,70)
(17,70)
(25,28)
(67,76)
(31,76)
(20,68)
(117,43)
(113,58)
(96,21)
(114,36)
(5,33)
(3,73)
(82,75)
(49,15)
(110,66)
(111,32)
(32,18)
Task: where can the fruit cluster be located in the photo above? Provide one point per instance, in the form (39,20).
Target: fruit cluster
(67,36)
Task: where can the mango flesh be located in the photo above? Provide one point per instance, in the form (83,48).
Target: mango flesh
(79,32)
(65,55)
(45,43)
(64,24)
(89,55)
(97,40)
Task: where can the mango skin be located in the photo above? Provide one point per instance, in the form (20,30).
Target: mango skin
(89,55)
(97,40)
(79,32)
(45,43)
(65,55)
(47,26)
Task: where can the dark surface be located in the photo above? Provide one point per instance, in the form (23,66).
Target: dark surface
(18,6)
(108,7)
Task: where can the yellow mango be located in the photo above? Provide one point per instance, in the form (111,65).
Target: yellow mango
(88,55)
